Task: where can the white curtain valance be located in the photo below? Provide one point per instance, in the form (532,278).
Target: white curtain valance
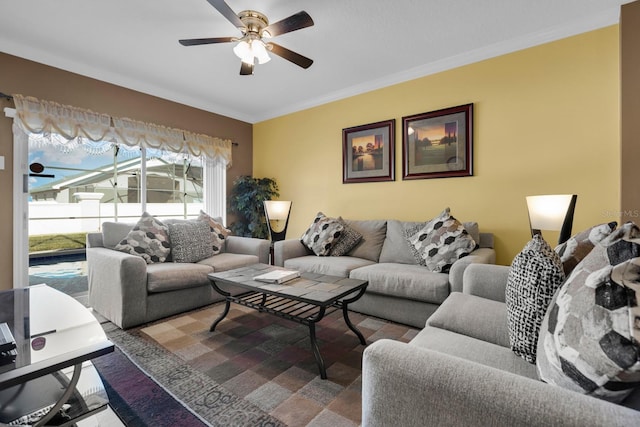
(38,116)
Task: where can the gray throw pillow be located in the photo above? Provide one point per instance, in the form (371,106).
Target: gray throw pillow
(589,339)
(348,240)
(321,234)
(535,275)
(440,242)
(577,247)
(218,232)
(190,241)
(149,239)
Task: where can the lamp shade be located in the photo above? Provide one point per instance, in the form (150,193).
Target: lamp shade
(277,210)
(277,215)
(552,212)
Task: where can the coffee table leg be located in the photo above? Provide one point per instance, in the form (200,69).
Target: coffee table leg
(345,313)
(351,326)
(316,350)
(222,316)
(226,307)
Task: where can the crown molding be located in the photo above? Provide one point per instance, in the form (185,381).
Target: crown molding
(591,23)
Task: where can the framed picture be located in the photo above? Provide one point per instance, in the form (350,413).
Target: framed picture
(438,144)
(368,152)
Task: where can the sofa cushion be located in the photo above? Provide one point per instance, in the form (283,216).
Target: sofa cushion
(535,275)
(473,316)
(440,242)
(333,266)
(149,239)
(190,241)
(114,232)
(321,234)
(228,261)
(373,235)
(347,240)
(590,334)
(218,232)
(169,276)
(473,349)
(395,248)
(578,246)
(404,281)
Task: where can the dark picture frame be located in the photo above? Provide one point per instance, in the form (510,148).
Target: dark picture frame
(438,144)
(368,152)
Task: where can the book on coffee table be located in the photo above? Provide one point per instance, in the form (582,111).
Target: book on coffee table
(277,276)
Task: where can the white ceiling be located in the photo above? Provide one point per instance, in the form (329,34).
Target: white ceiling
(356,45)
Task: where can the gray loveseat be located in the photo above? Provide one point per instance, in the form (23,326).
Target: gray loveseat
(129,292)
(460,371)
(399,288)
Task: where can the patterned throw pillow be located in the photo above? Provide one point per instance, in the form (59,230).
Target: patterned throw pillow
(218,232)
(589,339)
(321,234)
(577,247)
(535,275)
(190,241)
(440,242)
(149,239)
(347,241)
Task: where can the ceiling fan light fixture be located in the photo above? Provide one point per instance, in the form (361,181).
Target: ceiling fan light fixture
(244,52)
(260,51)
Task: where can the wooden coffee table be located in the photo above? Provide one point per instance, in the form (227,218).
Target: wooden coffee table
(304,300)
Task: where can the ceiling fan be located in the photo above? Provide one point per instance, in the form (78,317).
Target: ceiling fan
(251,47)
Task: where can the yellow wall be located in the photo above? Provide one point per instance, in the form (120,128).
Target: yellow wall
(546,121)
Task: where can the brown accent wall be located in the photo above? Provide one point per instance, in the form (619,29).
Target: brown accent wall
(29,78)
(630,111)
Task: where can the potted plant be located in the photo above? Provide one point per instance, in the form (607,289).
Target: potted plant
(246,202)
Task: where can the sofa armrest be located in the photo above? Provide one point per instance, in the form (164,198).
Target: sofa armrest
(249,246)
(94,240)
(286,249)
(117,285)
(406,385)
(479,256)
(486,281)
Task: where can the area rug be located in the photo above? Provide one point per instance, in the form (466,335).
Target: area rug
(137,399)
(256,369)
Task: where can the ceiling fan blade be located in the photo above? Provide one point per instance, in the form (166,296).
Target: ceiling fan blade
(290,55)
(294,22)
(227,12)
(194,42)
(246,69)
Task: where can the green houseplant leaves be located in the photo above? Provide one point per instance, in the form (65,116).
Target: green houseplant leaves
(245,203)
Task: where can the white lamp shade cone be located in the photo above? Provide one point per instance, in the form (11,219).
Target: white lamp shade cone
(260,51)
(277,210)
(244,51)
(548,212)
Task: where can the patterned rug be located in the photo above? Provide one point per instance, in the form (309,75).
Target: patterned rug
(256,369)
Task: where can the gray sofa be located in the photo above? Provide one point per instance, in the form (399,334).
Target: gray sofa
(399,288)
(129,292)
(460,371)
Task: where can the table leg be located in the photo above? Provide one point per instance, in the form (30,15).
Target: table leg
(226,307)
(77,369)
(351,326)
(222,316)
(345,314)
(316,350)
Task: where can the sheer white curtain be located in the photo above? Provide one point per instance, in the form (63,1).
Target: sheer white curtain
(74,124)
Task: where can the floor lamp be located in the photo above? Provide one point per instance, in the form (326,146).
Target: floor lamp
(277,214)
(552,212)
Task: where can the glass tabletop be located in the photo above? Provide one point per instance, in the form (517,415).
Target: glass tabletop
(51,331)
